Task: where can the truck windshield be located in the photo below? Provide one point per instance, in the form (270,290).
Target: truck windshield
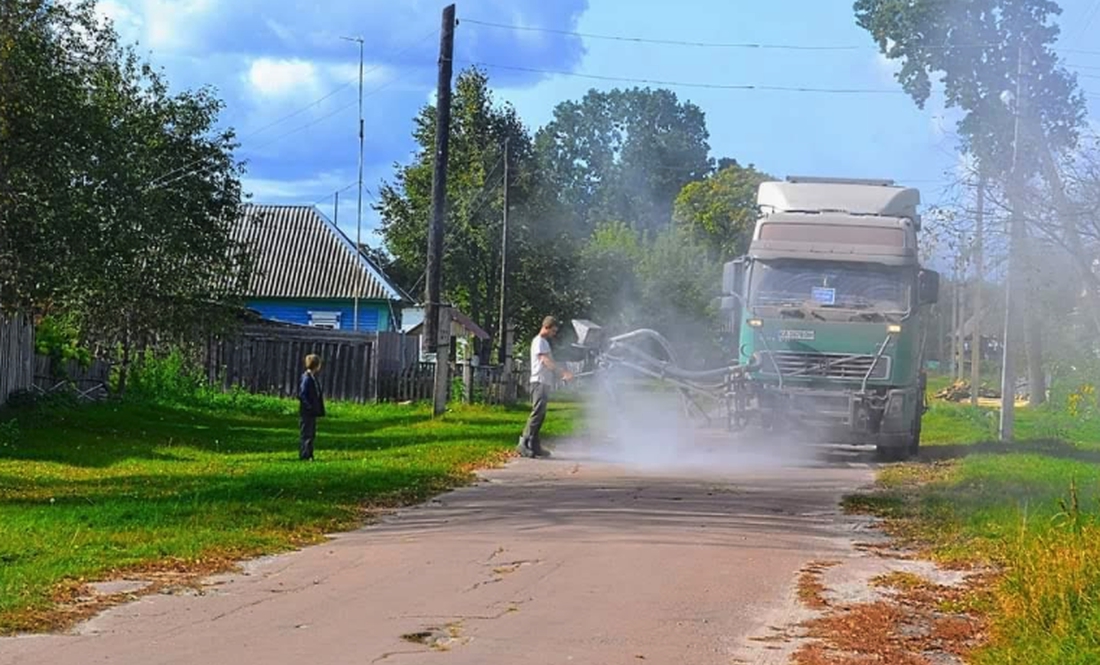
(819,284)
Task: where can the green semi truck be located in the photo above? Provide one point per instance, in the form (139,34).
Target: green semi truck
(829,311)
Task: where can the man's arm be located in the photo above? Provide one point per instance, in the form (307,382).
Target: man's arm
(308,393)
(549,363)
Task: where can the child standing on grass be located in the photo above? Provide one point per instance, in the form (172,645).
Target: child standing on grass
(311,406)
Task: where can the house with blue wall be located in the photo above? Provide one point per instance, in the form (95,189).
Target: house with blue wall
(306,271)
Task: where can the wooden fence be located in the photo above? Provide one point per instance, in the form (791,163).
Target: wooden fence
(358,367)
(412,383)
(89,382)
(16,355)
(269,360)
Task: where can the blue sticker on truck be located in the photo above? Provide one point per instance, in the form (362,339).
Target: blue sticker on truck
(823,295)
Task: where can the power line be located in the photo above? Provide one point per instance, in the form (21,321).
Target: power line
(325,198)
(316,102)
(305,108)
(684,84)
(284,135)
(667,42)
(1090,16)
(280,137)
(733,45)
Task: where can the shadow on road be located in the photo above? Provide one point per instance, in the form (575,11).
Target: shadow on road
(1043,447)
(584,498)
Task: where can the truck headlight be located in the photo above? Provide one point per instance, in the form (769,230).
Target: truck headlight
(755,323)
(894,328)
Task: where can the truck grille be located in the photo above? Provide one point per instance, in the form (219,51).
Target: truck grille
(826,365)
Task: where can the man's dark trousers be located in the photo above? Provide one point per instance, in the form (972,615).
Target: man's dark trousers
(308,427)
(540,395)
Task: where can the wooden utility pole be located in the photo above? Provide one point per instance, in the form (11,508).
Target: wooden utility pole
(979,277)
(502,323)
(1012,281)
(439,202)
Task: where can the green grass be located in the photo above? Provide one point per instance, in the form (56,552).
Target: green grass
(1032,508)
(87,493)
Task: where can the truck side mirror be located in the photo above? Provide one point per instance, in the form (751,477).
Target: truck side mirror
(733,277)
(928,287)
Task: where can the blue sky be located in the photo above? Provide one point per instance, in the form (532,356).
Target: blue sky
(290,82)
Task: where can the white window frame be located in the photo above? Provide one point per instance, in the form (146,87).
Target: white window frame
(327,320)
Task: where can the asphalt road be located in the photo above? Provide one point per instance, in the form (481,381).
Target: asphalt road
(567,560)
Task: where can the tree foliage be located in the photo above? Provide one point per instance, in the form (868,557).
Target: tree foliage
(591,209)
(976,47)
(623,155)
(720,210)
(117,197)
(474,216)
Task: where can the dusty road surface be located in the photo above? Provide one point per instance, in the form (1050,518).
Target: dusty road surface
(568,560)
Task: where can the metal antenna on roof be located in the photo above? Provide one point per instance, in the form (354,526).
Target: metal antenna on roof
(359,205)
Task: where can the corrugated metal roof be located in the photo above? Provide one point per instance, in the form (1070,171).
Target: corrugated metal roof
(299,253)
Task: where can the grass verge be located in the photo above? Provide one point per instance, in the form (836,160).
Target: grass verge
(1031,510)
(94,493)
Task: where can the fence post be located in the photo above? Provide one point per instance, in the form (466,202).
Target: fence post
(508,367)
(468,381)
(371,358)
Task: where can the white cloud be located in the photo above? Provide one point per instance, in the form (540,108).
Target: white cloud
(303,190)
(127,23)
(172,25)
(529,37)
(271,77)
(887,68)
(374,74)
(284,33)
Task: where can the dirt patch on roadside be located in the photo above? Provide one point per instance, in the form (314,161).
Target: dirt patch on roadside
(883,604)
(890,606)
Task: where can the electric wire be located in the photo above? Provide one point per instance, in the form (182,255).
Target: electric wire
(686,84)
(733,45)
(160,179)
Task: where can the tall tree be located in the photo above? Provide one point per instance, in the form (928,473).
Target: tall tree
(720,210)
(117,198)
(985,50)
(472,255)
(976,47)
(49,55)
(623,155)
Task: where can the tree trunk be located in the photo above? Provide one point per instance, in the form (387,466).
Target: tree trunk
(979,275)
(124,367)
(1072,236)
(941,325)
(1037,390)
(960,331)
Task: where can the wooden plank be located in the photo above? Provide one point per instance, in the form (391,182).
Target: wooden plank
(17,355)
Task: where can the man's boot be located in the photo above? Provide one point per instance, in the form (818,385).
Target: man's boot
(524,448)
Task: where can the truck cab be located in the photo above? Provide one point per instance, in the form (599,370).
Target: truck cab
(830,307)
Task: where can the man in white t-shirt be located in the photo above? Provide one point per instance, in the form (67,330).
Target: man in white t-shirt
(543,371)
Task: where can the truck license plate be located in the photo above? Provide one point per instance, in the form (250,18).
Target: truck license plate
(800,335)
